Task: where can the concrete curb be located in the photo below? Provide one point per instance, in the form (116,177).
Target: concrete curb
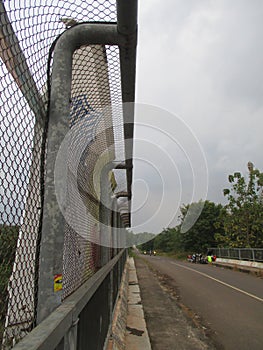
(137,337)
(128,330)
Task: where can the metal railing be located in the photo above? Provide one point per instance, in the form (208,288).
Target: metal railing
(82,321)
(64,64)
(249,254)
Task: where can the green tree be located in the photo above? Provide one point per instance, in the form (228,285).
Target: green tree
(242,216)
(202,234)
(8,240)
(169,240)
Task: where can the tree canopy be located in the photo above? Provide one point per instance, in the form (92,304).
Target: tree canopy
(202,234)
(198,238)
(242,217)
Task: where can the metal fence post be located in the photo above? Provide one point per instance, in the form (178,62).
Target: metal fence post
(51,254)
(253,254)
(111,295)
(114,226)
(53,222)
(105,213)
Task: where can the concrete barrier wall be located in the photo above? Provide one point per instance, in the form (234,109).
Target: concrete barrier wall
(118,329)
(254,264)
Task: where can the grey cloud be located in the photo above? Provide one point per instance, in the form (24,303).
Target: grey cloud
(202,60)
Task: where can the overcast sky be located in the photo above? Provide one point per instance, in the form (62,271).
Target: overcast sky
(200,62)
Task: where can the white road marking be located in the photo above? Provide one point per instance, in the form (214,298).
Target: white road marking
(215,279)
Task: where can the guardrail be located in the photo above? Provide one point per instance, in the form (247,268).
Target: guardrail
(247,254)
(84,318)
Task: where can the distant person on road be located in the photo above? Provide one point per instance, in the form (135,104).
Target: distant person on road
(209,258)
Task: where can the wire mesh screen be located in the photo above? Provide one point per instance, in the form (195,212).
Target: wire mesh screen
(91,119)
(28,29)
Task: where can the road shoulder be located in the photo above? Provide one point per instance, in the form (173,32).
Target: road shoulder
(167,323)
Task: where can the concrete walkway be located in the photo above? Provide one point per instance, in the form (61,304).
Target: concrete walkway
(128,331)
(137,337)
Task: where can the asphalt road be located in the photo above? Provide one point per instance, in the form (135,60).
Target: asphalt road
(227,302)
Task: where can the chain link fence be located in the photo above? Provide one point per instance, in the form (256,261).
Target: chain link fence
(28,33)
